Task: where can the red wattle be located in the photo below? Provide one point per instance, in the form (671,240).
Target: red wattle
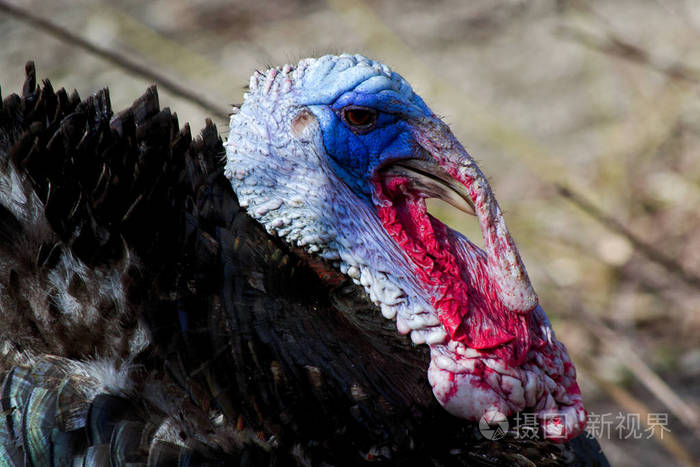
(466,303)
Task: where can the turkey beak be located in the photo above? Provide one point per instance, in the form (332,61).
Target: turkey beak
(506,268)
(429,179)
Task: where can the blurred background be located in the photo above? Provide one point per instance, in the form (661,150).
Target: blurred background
(585,115)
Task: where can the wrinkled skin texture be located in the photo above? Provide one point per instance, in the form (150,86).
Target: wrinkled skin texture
(308,174)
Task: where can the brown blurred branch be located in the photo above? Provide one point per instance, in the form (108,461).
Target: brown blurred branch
(633,405)
(621,346)
(614,45)
(644,248)
(117,58)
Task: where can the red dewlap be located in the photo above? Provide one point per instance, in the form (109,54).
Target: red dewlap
(464,296)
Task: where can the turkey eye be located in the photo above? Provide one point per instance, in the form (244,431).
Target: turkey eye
(360,118)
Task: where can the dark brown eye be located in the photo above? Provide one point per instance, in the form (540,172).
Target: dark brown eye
(360,118)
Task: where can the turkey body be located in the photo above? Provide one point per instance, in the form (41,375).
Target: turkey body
(148,320)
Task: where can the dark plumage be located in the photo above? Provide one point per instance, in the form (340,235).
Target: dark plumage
(147,319)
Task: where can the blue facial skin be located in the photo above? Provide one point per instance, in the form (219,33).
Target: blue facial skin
(355,155)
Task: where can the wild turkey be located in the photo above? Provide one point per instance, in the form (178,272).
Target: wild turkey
(152,316)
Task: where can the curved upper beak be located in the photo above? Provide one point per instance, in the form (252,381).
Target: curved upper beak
(430,180)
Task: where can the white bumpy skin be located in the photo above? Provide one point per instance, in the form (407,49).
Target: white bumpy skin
(278,166)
